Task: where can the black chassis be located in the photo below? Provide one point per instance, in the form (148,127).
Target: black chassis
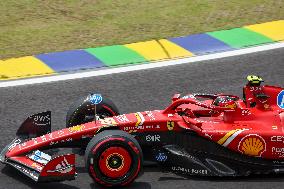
(186,153)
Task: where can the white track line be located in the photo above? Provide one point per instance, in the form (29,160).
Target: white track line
(93,73)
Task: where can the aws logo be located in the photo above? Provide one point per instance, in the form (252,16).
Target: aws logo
(252,145)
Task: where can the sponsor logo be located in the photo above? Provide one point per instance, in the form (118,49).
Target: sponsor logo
(278,162)
(170,125)
(60,132)
(26,171)
(43,138)
(61,141)
(150,115)
(255,89)
(96,98)
(146,127)
(14,144)
(252,145)
(278,151)
(274,127)
(280,99)
(40,157)
(108,121)
(277,139)
(37,166)
(76,128)
(140,119)
(246,112)
(63,167)
(161,157)
(41,119)
(153,138)
(188,96)
(190,171)
(122,118)
(266,106)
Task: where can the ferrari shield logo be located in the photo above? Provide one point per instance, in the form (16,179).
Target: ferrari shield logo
(170,125)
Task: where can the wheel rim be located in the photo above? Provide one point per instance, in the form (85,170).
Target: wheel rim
(115,162)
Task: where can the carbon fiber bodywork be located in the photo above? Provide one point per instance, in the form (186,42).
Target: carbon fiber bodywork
(186,153)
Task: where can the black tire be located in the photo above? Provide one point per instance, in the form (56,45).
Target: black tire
(111,146)
(83,111)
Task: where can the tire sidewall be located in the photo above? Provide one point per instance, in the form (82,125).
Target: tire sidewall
(107,139)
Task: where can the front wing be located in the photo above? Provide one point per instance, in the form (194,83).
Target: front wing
(40,167)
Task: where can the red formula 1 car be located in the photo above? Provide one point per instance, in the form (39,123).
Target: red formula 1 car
(197,134)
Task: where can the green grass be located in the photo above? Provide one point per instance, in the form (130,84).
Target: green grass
(30,27)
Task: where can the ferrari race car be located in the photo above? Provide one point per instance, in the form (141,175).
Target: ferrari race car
(197,134)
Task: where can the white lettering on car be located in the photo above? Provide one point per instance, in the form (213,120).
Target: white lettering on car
(190,171)
(278,151)
(122,118)
(14,144)
(153,138)
(277,139)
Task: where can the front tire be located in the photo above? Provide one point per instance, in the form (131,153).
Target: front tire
(83,111)
(113,158)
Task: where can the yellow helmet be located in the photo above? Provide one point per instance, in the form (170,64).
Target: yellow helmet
(254,79)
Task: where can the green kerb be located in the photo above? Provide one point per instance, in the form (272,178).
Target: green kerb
(240,37)
(116,55)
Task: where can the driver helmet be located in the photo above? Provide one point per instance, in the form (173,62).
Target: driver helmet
(225,101)
(254,80)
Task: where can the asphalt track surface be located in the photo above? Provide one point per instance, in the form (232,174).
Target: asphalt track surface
(138,91)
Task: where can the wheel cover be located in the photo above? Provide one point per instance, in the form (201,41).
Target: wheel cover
(115,162)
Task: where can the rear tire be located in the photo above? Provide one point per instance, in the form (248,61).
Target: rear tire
(113,158)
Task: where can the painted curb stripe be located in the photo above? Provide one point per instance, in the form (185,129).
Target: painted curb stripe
(173,50)
(70,60)
(151,50)
(23,67)
(240,37)
(273,30)
(116,55)
(200,44)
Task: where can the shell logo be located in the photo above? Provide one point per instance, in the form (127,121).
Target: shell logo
(76,128)
(252,145)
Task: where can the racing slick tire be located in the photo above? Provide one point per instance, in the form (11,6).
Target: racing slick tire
(83,111)
(113,158)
